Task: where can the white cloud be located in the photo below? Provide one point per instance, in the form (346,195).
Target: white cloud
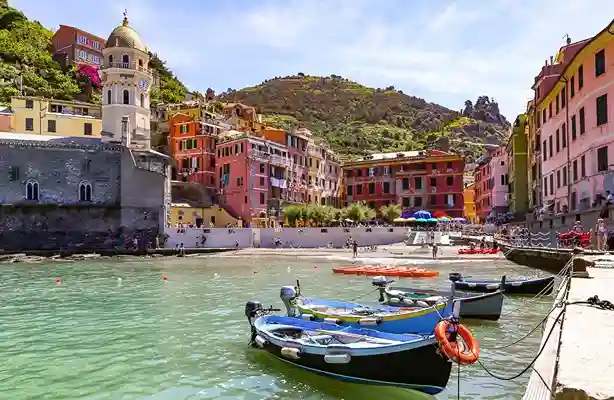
(443,51)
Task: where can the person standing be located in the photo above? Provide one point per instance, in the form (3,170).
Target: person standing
(355,248)
(602,234)
(435,249)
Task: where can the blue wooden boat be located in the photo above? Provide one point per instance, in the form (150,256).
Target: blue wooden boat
(416,319)
(351,354)
(543,286)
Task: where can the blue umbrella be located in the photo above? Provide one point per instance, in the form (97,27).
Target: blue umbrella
(422,214)
(420,220)
(407,214)
(432,220)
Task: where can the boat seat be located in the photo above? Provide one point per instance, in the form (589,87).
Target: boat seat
(322,339)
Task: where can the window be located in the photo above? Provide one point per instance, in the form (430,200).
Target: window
(110,59)
(564,134)
(125,59)
(371,171)
(557,103)
(580,77)
(574,134)
(450,181)
(449,165)
(142,100)
(551,184)
(371,188)
(602,159)
(87,129)
(85,191)
(405,184)
(418,183)
(550,146)
(405,201)
(582,121)
(565,175)
(50,125)
(544,115)
(558,141)
(574,170)
(502,180)
(126,96)
(96,45)
(261,198)
(262,181)
(545,186)
(417,201)
(583,166)
(29,103)
(545,154)
(572,87)
(563,98)
(82,54)
(550,110)
(32,190)
(350,190)
(261,168)
(602,109)
(29,124)
(433,200)
(600,63)
(386,170)
(95,59)
(359,189)
(433,181)
(386,187)
(108,97)
(558,179)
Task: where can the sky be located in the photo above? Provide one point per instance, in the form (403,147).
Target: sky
(444,51)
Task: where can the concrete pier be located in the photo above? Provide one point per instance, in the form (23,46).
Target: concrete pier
(578,362)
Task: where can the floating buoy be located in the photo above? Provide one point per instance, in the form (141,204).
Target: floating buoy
(255,272)
(315,267)
(165,278)
(58,281)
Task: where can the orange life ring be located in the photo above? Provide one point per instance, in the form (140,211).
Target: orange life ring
(463,353)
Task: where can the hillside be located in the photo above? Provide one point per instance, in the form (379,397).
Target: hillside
(356,119)
(26,63)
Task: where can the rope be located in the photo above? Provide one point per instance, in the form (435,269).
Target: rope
(365,294)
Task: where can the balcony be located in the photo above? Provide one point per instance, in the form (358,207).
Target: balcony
(314,152)
(280,161)
(131,66)
(259,155)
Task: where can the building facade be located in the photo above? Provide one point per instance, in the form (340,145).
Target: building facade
(574,116)
(41,116)
(417,180)
(517,156)
(469,212)
(491,184)
(72,46)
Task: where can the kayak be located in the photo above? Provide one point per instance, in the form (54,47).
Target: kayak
(410,272)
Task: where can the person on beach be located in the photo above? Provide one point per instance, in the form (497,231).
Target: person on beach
(355,248)
(435,249)
(602,234)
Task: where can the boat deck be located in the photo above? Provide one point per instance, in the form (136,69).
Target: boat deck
(577,362)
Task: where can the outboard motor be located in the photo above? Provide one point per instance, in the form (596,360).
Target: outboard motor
(252,309)
(288,294)
(455,276)
(381,282)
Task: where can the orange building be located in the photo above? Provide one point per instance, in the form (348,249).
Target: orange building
(192,144)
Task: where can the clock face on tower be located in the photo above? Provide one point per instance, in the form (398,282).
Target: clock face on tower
(143,84)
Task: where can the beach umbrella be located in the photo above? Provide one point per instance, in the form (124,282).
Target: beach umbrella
(398,220)
(411,219)
(459,219)
(422,214)
(433,220)
(445,218)
(439,214)
(407,214)
(421,220)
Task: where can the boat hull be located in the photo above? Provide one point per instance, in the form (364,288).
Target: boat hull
(543,286)
(485,306)
(422,321)
(422,368)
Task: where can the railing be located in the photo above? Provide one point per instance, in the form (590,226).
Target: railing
(260,155)
(126,66)
(279,160)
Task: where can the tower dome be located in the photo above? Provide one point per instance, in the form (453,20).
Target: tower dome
(125,36)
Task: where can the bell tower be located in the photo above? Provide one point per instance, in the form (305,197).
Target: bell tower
(126,83)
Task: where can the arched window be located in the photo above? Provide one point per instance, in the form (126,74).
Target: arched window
(32,190)
(125,59)
(108,96)
(140,62)
(126,96)
(110,59)
(142,100)
(85,191)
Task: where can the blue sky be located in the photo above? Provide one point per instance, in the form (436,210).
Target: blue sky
(444,51)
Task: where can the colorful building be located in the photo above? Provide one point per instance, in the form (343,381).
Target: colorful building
(208,217)
(577,110)
(41,116)
(469,210)
(517,156)
(253,176)
(297,143)
(417,180)
(71,46)
(491,184)
(533,158)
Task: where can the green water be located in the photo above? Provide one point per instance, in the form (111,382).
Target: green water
(95,336)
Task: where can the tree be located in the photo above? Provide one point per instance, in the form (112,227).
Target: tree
(390,212)
(358,212)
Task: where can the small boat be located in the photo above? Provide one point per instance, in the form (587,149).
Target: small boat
(419,318)
(542,286)
(485,306)
(409,272)
(351,354)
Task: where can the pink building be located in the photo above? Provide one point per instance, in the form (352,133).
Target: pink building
(574,119)
(252,175)
(491,184)
(296,144)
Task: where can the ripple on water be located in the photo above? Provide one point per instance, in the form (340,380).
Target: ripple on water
(186,338)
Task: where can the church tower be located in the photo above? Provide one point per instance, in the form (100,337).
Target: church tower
(126,83)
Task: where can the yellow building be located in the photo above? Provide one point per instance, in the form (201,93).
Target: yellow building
(209,217)
(469,207)
(41,116)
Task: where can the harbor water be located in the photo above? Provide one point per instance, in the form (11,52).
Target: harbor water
(116,329)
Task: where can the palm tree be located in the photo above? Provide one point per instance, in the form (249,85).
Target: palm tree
(390,212)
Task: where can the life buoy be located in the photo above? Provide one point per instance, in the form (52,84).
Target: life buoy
(462,353)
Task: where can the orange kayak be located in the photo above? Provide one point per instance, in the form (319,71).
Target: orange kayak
(350,269)
(413,272)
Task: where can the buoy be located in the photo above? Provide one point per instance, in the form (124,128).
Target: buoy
(58,281)
(315,267)
(255,272)
(165,278)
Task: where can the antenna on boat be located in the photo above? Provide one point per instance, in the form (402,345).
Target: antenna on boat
(502,287)
(298,287)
